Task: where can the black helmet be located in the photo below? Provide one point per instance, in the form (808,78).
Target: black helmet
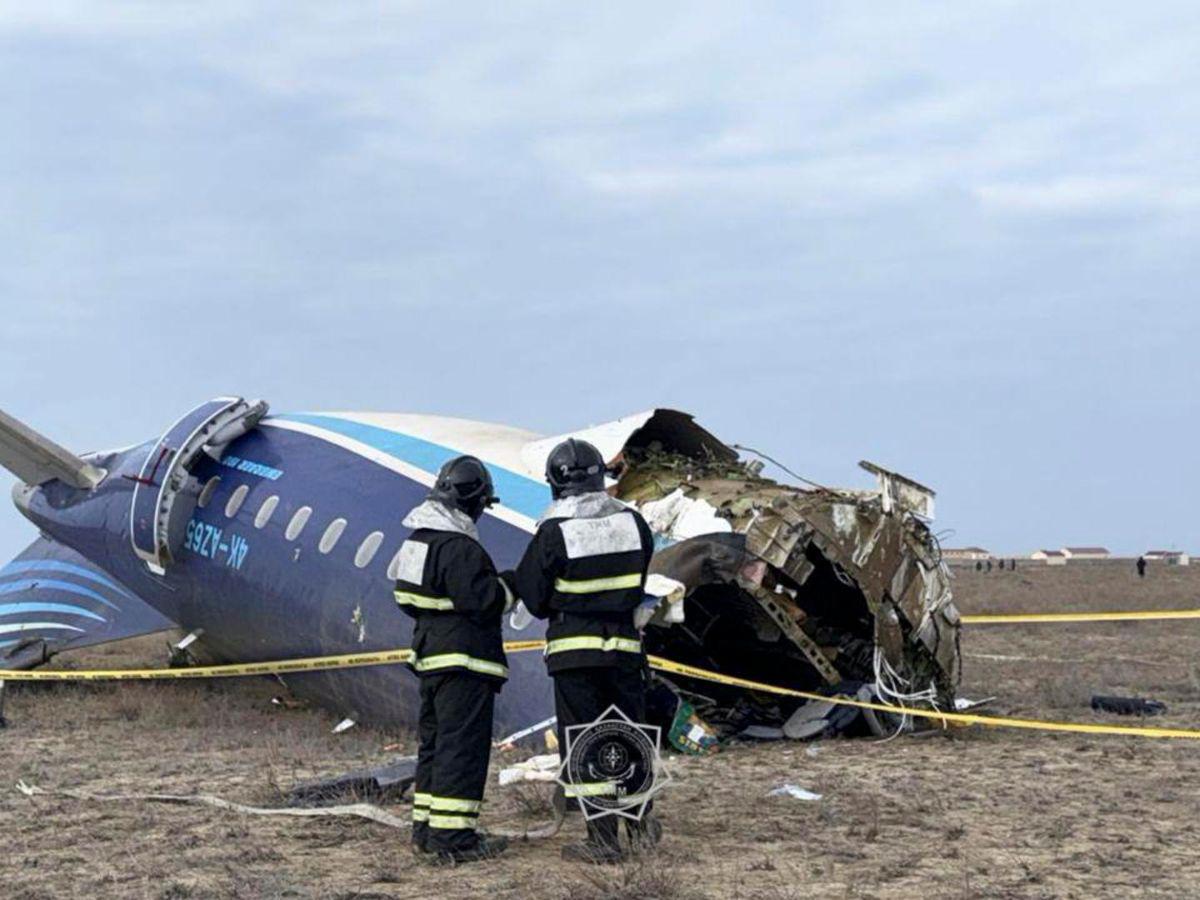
(574,467)
(465,484)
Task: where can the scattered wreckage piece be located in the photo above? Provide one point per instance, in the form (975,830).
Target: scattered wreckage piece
(795,792)
(381,784)
(1128,706)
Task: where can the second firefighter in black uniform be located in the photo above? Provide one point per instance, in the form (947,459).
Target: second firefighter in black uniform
(585,571)
(448,583)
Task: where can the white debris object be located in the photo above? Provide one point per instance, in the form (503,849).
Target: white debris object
(679,517)
(792,790)
(666,605)
(962,704)
(543,767)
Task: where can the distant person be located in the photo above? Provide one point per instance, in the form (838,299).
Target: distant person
(978,566)
(989,565)
(1141,567)
(448,583)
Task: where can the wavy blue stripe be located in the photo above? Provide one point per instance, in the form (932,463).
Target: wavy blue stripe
(50,584)
(35,626)
(526,495)
(13,609)
(54,565)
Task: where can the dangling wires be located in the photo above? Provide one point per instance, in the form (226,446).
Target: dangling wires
(894,690)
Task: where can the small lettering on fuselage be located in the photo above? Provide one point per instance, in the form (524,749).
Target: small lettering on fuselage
(251,467)
(213,543)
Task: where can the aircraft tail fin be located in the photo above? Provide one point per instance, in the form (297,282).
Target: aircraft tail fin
(54,599)
(35,459)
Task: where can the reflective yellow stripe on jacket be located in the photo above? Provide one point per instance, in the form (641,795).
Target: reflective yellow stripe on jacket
(564,645)
(457,660)
(405,598)
(595,585)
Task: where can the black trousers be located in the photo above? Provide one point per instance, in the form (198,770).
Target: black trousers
(455,733)
(582,696)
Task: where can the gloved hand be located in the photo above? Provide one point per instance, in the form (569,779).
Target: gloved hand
(644,612)
(521,617)
(508,580)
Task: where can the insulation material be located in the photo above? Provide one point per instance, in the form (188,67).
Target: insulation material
(679,517)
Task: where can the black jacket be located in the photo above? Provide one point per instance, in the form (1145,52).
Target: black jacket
(449,584)
(586,574)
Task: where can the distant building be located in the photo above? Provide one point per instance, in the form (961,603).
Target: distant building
(1170,557)
(968,553)
(1050,557)
(1085,552)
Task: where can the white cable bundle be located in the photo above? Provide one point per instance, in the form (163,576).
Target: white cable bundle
(894,690)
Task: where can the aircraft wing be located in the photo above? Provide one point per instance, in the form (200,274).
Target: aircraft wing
(36,459)
(53,599)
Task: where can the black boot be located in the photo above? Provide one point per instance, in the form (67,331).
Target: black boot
(602,845)
(644,835)
(484,847)
(420,839)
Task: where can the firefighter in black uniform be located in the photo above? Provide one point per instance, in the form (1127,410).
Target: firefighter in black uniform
(447,582)
(585,570)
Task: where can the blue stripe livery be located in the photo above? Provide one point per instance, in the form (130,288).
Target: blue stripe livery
(518,492)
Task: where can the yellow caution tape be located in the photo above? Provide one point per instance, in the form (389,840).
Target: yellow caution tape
(666,665)
(233,670)
(1024,618)
(385,657)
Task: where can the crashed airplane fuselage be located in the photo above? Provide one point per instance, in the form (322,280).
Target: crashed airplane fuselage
(274,537)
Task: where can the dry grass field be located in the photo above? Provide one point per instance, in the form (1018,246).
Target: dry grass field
(973,812)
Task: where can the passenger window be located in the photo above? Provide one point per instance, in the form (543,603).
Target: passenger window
(332,535)
(266,511)
(393,570)
(367,549)
(299,520)
(210,488)
(236,499)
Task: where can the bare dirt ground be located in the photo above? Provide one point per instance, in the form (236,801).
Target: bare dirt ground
(995,813)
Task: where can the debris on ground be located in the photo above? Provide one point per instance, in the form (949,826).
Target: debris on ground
(793,790)
(690,734)
(1128,706)
(543,767)
(761,733)
(382,784)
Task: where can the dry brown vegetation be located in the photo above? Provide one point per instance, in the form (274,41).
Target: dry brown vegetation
(964,814)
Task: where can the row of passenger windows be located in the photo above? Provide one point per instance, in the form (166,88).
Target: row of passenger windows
(333,532)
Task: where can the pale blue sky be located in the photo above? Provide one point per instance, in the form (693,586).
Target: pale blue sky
(958,239)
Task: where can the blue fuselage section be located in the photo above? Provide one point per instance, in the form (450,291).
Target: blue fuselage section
(261,591)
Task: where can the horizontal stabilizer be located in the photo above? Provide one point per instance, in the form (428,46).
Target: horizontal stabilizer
(36,459)
(53,599)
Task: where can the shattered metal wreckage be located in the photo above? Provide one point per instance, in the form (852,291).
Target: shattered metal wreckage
(818,589)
